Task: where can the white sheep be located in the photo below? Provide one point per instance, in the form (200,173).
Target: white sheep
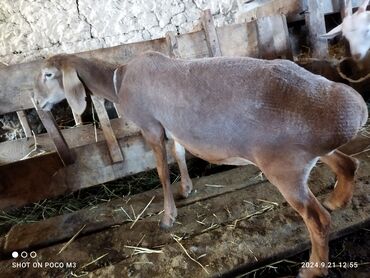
(355,28)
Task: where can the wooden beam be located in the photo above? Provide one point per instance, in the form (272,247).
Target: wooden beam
(114,148)
(55,134)
(316,25)
(172,44)
(211,34)
(12,151)
(77,119)
(24,123)
(273,37)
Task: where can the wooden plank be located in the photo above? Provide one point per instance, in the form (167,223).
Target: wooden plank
(240,223)
(12,151)
(114,148)
(193,45)
(252,39)
(24,123)
(210,34)
(235,40)
(77,119)
(56,135)
(316,25)
(273,37)
(283,40)
(172,44)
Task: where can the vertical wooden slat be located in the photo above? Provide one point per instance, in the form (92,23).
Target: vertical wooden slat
(61,146)
(316,24)
(288,45)
(252,35)
(77,118)
(55,134)
(172,43)
(114,149)
(211,34)
(24,123)
(272,41)
(266,38)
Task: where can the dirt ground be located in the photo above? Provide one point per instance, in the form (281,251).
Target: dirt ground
(351,248)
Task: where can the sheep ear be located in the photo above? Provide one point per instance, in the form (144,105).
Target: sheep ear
(118,77)
(363,7)
(333,33)
(74,90)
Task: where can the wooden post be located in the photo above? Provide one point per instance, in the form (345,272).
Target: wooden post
(316,24)
(211,34)
(114,148)
(272,41)
(343,4)
(24,123)
(77,118)
(61,146)
(55,134)
(172,44)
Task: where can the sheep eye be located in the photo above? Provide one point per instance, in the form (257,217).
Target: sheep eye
(48,75)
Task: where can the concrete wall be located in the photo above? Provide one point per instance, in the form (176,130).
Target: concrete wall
(32,29)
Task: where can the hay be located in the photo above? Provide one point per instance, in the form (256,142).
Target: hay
(258,271)
(215,185)
(141,250)
(71,240)
(36,151)
(141,213)
(93,261)
(87,198)
(176,238)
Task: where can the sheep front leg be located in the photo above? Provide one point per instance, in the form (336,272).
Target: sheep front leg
(155,137)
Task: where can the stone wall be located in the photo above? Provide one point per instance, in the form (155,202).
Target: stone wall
(32,29)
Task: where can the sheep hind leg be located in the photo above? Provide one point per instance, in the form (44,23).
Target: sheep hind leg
(178,152)
(291,180)
(345,168)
